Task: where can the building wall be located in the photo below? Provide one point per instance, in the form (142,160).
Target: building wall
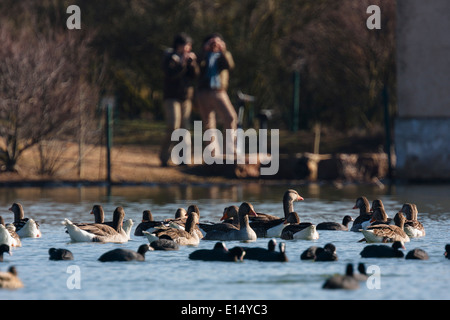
(422,129)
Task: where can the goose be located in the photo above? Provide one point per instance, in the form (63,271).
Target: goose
(243,233)
(387,233)
(417,254)
(10,280)
(4,248)
(121,254)
(447,251)
(269,254)
(181,215)
(189,236)
(412,227)
(99,216)
(334,225)
(229,217)
(25,227)
(60,254)
(364,213)
(327,253)
(346,281)
(147,223)
(299,230)
(99,232)
(269,226)
(8,234)
(379,216)
(383,251)
(218,253)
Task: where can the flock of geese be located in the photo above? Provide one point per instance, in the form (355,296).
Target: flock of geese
(237,223)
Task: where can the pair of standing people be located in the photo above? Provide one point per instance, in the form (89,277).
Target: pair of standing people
(211,69)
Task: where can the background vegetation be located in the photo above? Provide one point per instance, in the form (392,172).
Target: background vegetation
(343,66)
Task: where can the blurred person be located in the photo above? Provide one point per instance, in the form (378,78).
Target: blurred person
(180,70)
(211,97)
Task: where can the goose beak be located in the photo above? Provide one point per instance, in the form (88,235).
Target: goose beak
(300,198)
(92,212)
(355,207)
(10,209)
(224,217)
(253,213)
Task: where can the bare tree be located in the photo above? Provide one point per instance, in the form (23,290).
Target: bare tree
(40,81)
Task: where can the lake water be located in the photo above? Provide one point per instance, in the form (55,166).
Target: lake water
(171,275)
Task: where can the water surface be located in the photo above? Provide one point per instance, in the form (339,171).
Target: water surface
(171,275)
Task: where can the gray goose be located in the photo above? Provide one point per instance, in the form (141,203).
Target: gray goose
(364,213)
(387,233)
(10,280)
(8,234)
(299,230)
(269,226)
(187,236)
(413,227)
(147,223)
(243,233)
(25,227)
(98,232)
(229,217)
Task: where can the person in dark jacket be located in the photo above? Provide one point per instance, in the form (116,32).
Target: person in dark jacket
(180,71)
(212,99)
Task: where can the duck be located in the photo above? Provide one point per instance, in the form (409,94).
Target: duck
(347,281)
(4,248)
(417,254)
(219,253)
(327,253)
(188,236)
(383,251)
(362,275)
(309,254)
(269,254)
(270,226)
(364,213)
(387,233)
(412,227)
(229,218)
(25,227)
(121,254)
(299,230)
(8,234)
(10,280)
(60,254)
(231,232)
(334,225)
(163,244)
(147,224)
(447,251)
(99,232)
